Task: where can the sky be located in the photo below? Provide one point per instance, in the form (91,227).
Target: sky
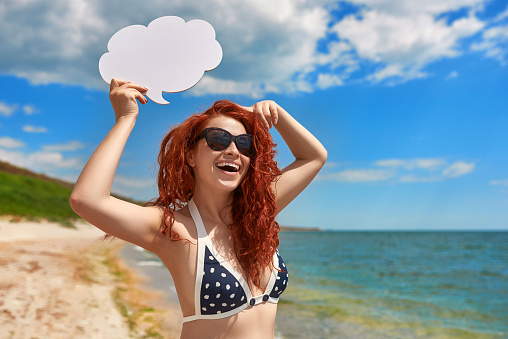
(409,98)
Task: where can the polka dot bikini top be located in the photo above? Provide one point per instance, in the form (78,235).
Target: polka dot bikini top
(220,291)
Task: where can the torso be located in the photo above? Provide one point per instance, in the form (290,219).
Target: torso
(180,257)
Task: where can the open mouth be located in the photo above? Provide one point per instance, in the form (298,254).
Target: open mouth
(228,167)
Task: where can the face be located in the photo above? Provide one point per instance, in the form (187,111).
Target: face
(219,170)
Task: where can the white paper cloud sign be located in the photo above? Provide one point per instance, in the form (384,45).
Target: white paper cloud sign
(169,55)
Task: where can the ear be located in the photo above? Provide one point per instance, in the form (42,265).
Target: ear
(190,157)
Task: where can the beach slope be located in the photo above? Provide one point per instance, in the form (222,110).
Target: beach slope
(59,282)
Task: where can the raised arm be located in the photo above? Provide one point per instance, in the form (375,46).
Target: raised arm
(91,197)
(309,153)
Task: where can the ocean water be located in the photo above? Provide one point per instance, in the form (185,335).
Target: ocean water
(386,284)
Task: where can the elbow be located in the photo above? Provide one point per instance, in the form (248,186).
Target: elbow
(75,202)
(322,156)
(82,204)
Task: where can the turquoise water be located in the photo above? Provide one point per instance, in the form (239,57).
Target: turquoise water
(385,284)
(395,285)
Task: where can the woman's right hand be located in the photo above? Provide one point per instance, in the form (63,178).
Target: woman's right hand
(123,95)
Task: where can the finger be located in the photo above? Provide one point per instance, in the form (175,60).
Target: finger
(113,84)
(137,87)
(274,113)
(141,98)
(117,83)
(267,113)
(262,118)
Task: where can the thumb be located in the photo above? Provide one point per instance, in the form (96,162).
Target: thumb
(116,83)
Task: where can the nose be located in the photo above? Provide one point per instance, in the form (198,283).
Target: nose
(232,150)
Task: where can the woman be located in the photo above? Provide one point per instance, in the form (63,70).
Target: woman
(213,224)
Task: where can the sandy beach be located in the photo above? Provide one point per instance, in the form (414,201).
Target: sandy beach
(59,282)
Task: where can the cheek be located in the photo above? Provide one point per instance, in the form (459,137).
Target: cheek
(246,165)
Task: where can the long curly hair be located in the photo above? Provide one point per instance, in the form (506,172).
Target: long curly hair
(255,231)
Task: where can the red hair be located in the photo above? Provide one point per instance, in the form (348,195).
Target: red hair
(255,231)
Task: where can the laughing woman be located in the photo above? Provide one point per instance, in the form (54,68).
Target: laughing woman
(213,223)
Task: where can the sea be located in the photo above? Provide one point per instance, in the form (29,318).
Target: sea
(382,284)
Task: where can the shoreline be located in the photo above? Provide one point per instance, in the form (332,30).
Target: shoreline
(60,282)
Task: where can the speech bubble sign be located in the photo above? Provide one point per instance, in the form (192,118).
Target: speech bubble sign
(169,55)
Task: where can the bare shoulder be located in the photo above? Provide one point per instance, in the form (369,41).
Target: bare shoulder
(183,225)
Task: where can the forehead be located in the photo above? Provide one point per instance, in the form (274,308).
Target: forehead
(231,125)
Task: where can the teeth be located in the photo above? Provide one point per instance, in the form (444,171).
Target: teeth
(224,164)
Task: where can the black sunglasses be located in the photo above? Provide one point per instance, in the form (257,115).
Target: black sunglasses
(219,139)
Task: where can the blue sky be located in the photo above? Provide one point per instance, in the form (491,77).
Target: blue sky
(409,98)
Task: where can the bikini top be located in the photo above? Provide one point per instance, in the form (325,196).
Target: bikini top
(220,291)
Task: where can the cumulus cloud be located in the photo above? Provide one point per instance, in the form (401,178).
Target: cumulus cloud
(34,129)
(401,44)
(494,43)
(268,46)
(7,110)
(30,109)
(7,142)
(419,170)
(458,169)
(41,161)
(452,75)
(328,80)
(68,146)
(132,186)
(502,182)
(358,175)
(169,55)
(430,163)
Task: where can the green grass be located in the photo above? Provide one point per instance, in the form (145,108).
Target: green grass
(35,198)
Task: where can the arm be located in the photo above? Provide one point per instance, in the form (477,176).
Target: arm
(91,197)
(309,153)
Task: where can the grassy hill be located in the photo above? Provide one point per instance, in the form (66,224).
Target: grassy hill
(34,196)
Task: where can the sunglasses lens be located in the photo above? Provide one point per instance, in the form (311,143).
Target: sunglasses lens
(218,140)
(244,143)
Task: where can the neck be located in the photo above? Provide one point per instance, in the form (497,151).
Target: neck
(214,205)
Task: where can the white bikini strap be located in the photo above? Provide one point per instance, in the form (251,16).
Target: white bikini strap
(193,209)
(202,235)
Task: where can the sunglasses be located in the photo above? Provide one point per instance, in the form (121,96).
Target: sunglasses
(219,139)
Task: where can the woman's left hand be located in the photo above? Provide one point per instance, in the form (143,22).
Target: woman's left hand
(267,111)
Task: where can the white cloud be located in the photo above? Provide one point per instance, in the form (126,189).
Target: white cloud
(7,142)
(269,46)
(68,146)
(494,43)
(452,75)
(430,163)
(133,182)
(412,178)
(132,186)
(331,164)
(29,109)
(502,15)
(328,80)
(401,170)
(502,182)
(41,161)
(34,129)
(414,7)
(360,175)
(404,44)
(458,169)
(7,110)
